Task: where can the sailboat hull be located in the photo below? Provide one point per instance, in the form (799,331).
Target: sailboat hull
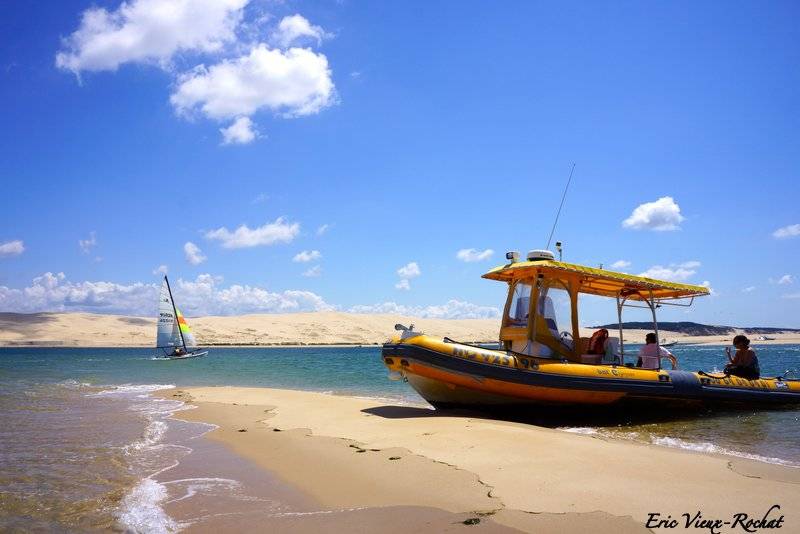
(187,356)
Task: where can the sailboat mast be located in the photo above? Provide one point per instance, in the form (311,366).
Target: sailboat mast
(175,311)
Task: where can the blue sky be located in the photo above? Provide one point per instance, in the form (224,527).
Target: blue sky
(409,131)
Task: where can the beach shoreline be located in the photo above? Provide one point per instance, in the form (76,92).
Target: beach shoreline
(348,452)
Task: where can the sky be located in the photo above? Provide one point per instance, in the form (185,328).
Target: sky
(380,156)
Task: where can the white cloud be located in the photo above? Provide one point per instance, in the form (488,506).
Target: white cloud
(12,248)
(241,132)
(292,83)
(149,31)
(785,280)
(471,255)
(675,272)
(260,198)
(203,296)
(323,229)
(244,237)
(662,215)
(313,272)
(410,270)
(793,230)
(52,292)
(453,309)
(307,256)
(296,28)
(161,269)
(193,253)
(87,244)
(749,289)
(711,290)
(620,264)
(403,285)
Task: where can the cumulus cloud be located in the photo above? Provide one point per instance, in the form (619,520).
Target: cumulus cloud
(323,229)
(662,215)
(409,270)
(452,309)
(244,76)
(675,272)
(88,244)
(193,253)
(471,255)
(244,236)
(620,264)
(12,248)
(296,28)
(240,132)
(202,296)
(161,269)
(291,83)
(307,256)
(749,289)
(52,292)
(403,285)
(313,272)
(706,284)
(149,31)
(793,230)
(785,280)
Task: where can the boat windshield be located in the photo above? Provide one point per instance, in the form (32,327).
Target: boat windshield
(520,305)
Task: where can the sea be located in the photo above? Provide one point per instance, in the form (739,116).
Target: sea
(85,446)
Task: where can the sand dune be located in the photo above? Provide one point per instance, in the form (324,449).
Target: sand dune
(318,328)
(86,329)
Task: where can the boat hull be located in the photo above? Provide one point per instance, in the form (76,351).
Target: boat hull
(450,374)
(195,354)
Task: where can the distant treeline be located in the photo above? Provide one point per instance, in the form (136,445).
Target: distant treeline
(696,329)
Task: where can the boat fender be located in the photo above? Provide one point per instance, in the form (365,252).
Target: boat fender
(684,382)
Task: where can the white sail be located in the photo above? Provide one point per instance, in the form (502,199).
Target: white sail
(168,332)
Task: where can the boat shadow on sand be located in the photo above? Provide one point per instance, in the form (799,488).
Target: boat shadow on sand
(620,415)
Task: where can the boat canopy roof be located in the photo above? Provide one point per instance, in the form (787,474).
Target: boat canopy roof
(597,281)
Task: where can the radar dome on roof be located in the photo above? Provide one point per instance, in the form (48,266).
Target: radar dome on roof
(534,255)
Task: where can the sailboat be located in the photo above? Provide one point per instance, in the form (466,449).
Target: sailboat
(174,338)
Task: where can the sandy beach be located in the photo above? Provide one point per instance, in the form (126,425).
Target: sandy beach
(346,452)
(318,328)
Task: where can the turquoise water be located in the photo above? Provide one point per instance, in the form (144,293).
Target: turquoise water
(81,439)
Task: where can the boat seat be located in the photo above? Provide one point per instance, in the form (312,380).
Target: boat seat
(611,356)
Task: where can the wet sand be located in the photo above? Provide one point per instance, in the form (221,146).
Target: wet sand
(345,453)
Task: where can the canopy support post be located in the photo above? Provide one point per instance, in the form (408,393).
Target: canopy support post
(652,303)
(620,304)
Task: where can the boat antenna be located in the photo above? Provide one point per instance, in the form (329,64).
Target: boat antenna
(558,213)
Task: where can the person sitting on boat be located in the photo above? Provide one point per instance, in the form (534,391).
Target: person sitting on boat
(178,351)
(744,363)
(651,353)
(597,343)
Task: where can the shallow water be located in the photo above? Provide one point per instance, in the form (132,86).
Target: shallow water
(83,446)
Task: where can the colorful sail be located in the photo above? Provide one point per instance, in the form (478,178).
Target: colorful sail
(168,333)
(188,337)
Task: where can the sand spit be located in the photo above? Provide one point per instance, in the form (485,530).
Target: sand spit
(348,452)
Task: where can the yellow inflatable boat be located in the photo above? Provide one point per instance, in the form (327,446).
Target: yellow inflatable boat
(543,359)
